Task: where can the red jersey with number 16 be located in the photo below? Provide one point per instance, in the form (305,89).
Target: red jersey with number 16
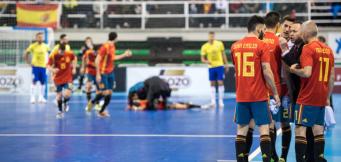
(248,54)
(63,62)
(314,90)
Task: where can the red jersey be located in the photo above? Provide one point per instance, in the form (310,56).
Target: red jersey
(314,90)
(272,41)
(63,62)
(90,56)
(107,53)
(248,54)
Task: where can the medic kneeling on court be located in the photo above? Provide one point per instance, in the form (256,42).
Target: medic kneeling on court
(153,94)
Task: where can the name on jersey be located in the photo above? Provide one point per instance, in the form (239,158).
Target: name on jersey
(245,45)
(268,40)
(322,50)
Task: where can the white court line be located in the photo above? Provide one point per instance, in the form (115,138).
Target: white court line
(74,102)
(120,135)
(258,151)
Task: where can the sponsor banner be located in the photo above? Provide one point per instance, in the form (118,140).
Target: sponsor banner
(182,80)
(15,80)
(337,83)
(334,41)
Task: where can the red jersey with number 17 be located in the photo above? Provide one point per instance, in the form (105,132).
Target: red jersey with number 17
(63,62)
(272,41)
(314,90)
(107,52)
(248,54)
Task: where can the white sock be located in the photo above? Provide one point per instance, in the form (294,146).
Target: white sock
(213,94)
(221,91)
(33,90)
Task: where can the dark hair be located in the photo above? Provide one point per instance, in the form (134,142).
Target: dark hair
(253,22)
(288,18)
(62,46)
(272,19)
(112,36)
(62,36)
(211,32)
(321,39)
(39,33)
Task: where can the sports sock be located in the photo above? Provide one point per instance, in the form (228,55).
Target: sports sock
(107,99)
(88,96)
(319,148)
(221,91)
(265,146)
(249,140)
(213,94)
(273,137)
(33,90)
(300,148)
(60,105)
(97,98)
(240,145)
(66,99)
(286,139)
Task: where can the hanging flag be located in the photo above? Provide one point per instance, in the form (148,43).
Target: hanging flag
(30,15)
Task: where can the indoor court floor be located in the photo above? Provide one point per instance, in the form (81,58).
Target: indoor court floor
(31,133)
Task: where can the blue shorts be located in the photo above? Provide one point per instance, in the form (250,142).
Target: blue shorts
(61,87)
(39,74)
(259,111)
(285,114)
(216,73)
(309,115)
(91,78)
(107,82)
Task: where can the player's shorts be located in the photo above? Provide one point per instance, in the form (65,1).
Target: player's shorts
(39,74)
(309,115)
(91,78)
(107,82)
(216,73)
(285,112)
(61,87)
(259,111)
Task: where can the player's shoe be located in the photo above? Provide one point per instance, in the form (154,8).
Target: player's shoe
(103,114)
(33,100)
(60,115)
(42,100)
(281,160)
(97,107)
(205,107)
(66,108)
(213,104)
(88,107)
(221,104)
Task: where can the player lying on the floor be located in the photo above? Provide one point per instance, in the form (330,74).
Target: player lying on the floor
(153,94)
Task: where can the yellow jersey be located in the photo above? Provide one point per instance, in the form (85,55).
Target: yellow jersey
(214,53)
(56,47)
(39,53)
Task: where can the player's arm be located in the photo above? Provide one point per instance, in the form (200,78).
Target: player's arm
(50,65)
(269,77)
(74,64)
(331,85)
(26,53)
(98,68)
(226,63)
(203,54)
(126,54)
(303,72)
(306,60)
(84,63)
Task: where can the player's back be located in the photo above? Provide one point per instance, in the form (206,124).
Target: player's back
(107,53)
(248,55)
(275,52)
(314,90)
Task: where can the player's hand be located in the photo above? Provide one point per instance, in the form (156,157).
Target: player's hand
(293,67)
(82,71)
(54,70)
(128,53)
(278,100)
(226,68)
(98,78)
(328,101)
(74,71)
(283,43)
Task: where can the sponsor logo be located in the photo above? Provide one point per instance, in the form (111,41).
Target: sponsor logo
(9,80)
(176,78)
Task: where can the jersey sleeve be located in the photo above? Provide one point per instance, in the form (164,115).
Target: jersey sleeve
(222,47)
(30,48)
(50,59)
(332,58)
(203,50)
(264,53)
(306,57)
(102,50)
(232,54)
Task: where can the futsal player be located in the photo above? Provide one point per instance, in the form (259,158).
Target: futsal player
(104,62)
(62,65)
(63,39)
(88,67)
(251,60)
(39,51)
(213,54)
(316,70)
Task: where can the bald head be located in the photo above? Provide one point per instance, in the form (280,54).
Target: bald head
(309,30)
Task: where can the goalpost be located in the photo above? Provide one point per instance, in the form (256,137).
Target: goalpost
(13,43)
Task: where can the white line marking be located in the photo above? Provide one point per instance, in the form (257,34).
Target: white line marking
(120,135)
(258,151)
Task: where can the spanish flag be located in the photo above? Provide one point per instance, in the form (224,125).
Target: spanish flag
(30,15)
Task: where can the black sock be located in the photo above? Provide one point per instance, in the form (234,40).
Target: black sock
(240,145)
(66,100)
(97,98)
(265,146)
(249,139)
(107,99)
(309,152)
(319,148)
(60,105)
(190,106)
(273,136)
(81,78)
(300,148)
(286,139)
(88,96)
